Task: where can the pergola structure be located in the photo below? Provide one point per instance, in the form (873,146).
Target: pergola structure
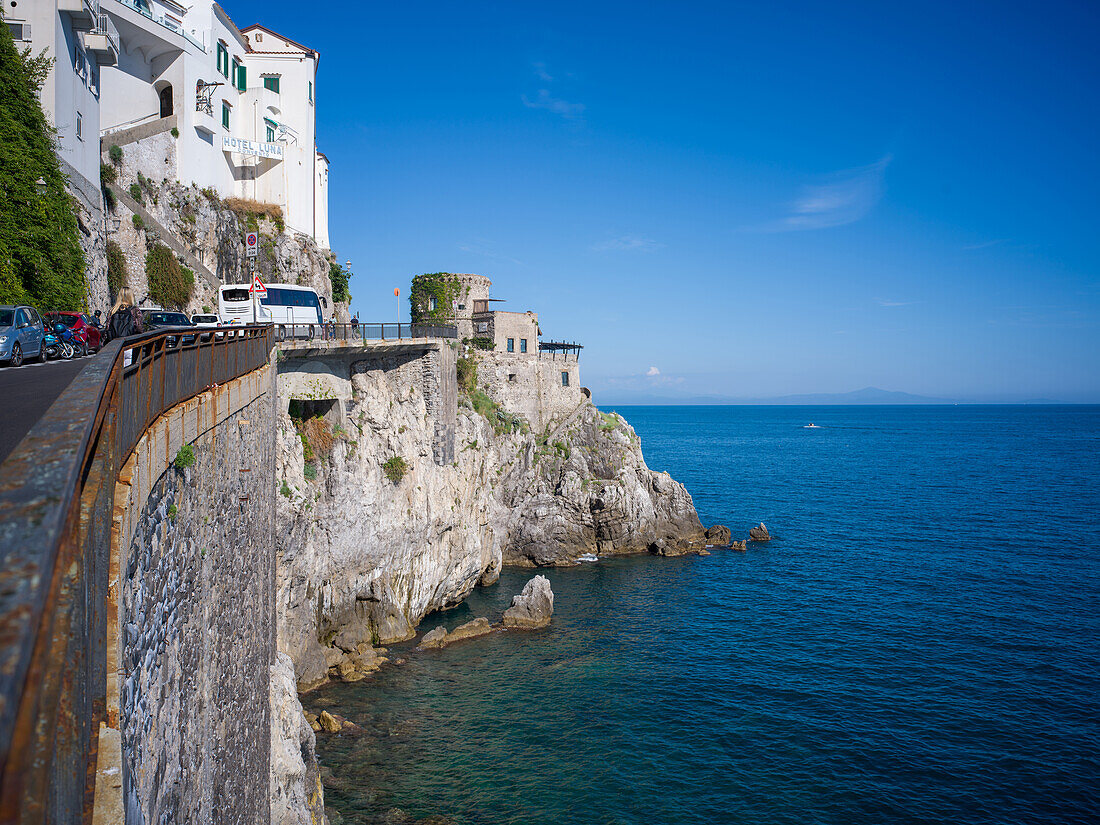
(554,347)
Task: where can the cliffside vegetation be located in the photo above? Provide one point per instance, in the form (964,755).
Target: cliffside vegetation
(170,282)
(432,297)
(117,275)
(41,261)
(338,276)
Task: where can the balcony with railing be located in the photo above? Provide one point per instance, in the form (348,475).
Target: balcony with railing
(102,41)
(83,13)
(143,8)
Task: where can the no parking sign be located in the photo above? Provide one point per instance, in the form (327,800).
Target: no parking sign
(251,244)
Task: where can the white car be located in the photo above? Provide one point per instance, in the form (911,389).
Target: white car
(205,321)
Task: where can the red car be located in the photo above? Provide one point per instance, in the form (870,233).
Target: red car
(77,322)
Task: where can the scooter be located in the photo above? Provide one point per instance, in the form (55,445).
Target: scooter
(51,344)
(68,342)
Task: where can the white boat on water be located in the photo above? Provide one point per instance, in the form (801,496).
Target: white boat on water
(812,426)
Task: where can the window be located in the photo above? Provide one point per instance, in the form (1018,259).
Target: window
(512,377)
(462,306)
(511,345)
(79,126)
(431,303)
(565,379)
(311,91)
(239,79)
(271,127)
(259,37)
(482,327)
(223,59)
(225,114)
(272,83)
(523,345)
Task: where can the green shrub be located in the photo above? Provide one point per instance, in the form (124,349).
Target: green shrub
(467,374)
(285,489)
(206,310)
(395,469)
(117,276)
(481,342)
(185,457)
(115,154)
(170,283)
(139,224)
(107,173)
(136,193)
(561,449)
(175,132)
(109,198)
(310,471)
(338,277)
(173,511)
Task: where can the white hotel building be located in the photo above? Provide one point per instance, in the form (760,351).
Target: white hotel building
(243,101)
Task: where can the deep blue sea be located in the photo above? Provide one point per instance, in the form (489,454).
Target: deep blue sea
(920,642)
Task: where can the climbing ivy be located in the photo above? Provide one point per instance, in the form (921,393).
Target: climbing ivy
(117,276)
(444,287)
(338,276)
(41,261)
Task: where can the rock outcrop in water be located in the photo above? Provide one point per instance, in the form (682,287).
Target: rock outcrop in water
(532,608)
(369,555)
(760,533)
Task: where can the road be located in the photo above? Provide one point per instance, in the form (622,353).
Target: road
(27,392)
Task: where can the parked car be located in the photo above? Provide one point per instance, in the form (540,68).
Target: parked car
(162,319)
(80,324)
(206,320)
(20,334)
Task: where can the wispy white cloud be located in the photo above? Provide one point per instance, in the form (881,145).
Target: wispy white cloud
(545,100)
(652,371)
(627,243)
(541,73)
(886,302)
(984,245)
(841,198)
(487,249)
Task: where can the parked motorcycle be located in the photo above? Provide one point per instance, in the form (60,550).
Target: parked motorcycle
(70,342)
(51,344)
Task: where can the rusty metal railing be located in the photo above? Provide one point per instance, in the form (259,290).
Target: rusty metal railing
(56,502)
(363,332)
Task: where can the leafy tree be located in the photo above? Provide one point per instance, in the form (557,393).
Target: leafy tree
(338,276)
(41,261)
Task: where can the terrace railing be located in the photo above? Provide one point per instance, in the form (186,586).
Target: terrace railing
(56,501)
(366,332)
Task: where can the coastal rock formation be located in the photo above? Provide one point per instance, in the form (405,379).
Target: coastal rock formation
(296,793)
(760,533)
(719,535)
(365,554)
(737,545)
(532,608)
(433,638)
(470,630)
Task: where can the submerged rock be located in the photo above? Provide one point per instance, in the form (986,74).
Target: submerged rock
(719,535)
(533,607)
(738,545)
(760,533)
(328,722)
(470,630)
(433,638)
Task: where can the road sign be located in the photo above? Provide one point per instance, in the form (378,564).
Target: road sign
(251,244)
(258,289)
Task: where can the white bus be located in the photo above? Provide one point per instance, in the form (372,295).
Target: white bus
(294,310)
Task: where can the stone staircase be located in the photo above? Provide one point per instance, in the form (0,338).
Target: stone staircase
(166,236)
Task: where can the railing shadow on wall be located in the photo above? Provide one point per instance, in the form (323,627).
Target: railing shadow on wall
(56,516)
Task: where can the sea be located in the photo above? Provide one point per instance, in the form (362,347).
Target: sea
(919,643)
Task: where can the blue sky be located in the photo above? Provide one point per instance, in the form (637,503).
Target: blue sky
(732,199)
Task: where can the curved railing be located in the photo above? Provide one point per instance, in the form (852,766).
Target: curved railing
(56,502)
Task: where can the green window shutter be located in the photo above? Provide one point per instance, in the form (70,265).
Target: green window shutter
(241,84)
(311,91)
(272,83)
(270,135)
(225,116)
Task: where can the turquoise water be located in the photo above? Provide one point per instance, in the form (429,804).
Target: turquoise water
(920,642)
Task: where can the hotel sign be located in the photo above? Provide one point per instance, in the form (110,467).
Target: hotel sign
(253,148)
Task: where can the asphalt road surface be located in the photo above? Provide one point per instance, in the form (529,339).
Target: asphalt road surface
(26,393)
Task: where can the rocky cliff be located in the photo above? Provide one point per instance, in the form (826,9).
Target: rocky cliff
(374,535)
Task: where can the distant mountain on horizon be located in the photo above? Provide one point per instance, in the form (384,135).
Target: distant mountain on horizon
(867,395)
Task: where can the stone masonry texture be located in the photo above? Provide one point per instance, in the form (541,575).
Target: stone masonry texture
(197,637)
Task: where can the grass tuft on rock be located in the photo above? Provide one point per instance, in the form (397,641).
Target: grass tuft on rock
(395,469)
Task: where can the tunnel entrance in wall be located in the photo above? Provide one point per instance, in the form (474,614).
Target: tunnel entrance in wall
(166,101)
(330,409)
